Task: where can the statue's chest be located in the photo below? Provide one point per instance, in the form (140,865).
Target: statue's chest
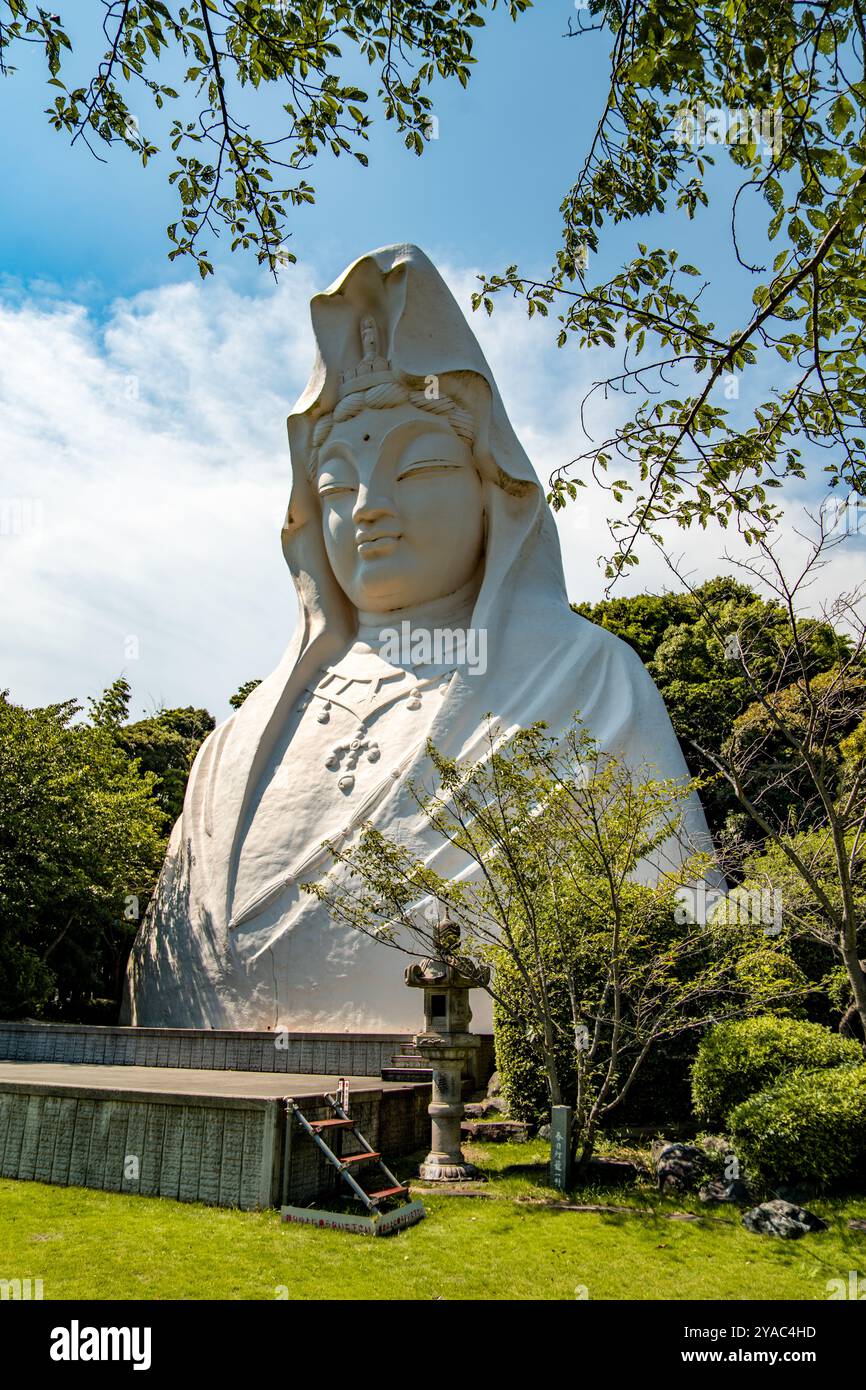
(346,742)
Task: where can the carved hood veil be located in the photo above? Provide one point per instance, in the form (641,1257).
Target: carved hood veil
(288,965)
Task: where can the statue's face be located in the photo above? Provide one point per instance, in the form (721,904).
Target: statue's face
(401,508)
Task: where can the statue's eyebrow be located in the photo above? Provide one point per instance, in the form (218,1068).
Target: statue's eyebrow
(434,442)
(336,451)
(393,438)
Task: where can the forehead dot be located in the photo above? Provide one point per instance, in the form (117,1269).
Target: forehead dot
(366,438)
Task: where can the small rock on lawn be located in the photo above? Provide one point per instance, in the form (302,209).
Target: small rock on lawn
(495,1131)
(783,1219)
(734,1190)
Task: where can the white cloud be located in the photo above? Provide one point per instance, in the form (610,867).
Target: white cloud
(154,451)
(144,476)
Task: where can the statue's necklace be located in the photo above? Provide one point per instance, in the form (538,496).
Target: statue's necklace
(344,757)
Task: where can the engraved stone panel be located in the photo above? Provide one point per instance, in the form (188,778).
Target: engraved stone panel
(96,1159)
(190,1165)
(150,1184)
(211,1156)
(116,1148)
(251,1164)
(84,1116)
(232,1158)
(172,1151)
(133,1148)
(63,1145)
(30,1138)
(47,1139)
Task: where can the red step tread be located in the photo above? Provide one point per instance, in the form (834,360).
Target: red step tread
(359,1158)
(331,1124)
(386,1192)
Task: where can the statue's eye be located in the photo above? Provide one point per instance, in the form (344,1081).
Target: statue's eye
(426,466)
(330,487)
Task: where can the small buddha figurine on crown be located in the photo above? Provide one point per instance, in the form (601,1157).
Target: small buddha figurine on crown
(373,367)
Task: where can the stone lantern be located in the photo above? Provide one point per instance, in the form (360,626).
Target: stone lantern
(446,1044)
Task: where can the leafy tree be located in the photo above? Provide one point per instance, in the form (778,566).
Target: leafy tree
(593,966)
(111,709)
(81,841)
(164,745)
(811,932)
(761,737)
(779,88)
(242,693)
(690,643)
(228,176)
(642,620)
(782,761)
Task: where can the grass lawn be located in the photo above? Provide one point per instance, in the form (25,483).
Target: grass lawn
(86,1244)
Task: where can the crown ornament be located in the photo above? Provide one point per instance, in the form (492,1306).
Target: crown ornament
(373,369)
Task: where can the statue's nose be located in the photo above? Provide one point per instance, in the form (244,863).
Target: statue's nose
(371,504)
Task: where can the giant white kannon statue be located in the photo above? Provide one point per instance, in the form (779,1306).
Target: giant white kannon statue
(412,502)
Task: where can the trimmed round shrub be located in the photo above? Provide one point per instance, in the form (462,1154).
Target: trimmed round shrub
(809,1128)
(744,1056)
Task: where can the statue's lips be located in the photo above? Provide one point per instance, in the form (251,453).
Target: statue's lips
(377,545)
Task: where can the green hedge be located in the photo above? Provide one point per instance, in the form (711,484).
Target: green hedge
(810,1128)
(521,1068)
(740,1058)
(661,1093)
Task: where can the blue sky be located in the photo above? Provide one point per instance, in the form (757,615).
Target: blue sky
(142,412)
(488,188)
(491,181)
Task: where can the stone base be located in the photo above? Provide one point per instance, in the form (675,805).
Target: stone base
(450,1172)
(223,1138)
(495,1131)
(328,1054)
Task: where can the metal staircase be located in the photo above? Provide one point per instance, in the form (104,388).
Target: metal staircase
(376,1222)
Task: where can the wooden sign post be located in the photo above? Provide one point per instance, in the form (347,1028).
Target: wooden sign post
(560,1147)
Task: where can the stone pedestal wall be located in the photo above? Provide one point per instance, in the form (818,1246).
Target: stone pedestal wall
(340,1054)
(223,1150)
(219,1150)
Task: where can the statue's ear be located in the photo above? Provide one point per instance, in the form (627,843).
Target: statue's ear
(304,544)
(472,393)
(303,505)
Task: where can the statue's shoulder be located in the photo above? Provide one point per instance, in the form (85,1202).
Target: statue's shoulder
(603,644)
(230,748)
(214,740)
(248,713)
(607,669)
